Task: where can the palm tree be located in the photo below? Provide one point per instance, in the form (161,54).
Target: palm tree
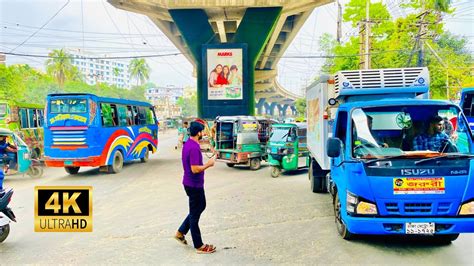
(59,65)
(116,71)
(139,69)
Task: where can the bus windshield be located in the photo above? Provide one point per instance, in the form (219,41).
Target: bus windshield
(68,105)
(409,130)
(3,109)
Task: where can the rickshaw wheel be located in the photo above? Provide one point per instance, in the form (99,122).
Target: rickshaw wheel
(146,157)
(4,231)
(35,171)
(72,170)
(275,171)
(230,164)
(255,164)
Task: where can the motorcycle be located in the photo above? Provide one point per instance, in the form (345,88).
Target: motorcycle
(6,214)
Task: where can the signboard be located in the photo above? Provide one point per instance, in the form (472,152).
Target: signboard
(415,185)
(225,74)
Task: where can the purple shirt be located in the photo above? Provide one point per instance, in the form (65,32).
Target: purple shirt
(192,155)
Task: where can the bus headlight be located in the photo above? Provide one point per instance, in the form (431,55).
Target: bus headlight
(467,208)
(357,206)
(26,156)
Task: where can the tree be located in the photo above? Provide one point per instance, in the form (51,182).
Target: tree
(139,69)
(59,65)
(300,106)
(188,105)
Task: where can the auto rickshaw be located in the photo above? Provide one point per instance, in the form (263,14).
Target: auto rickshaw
(24,163)
(287,148)
(238,143)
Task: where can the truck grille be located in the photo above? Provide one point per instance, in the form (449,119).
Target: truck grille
(417,208)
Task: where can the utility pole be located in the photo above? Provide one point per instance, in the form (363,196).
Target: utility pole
(2,59)
(364,33)
(339,22)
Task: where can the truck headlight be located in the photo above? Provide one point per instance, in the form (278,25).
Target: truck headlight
(355,205)
(467,208)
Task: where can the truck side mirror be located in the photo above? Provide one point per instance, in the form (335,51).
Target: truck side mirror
(334,147)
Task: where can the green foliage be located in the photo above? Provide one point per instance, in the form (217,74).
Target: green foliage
(60,66)
(393,42)
(139,70)
(300,106)
(188,105)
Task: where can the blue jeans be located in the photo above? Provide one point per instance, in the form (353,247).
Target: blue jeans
(197,204)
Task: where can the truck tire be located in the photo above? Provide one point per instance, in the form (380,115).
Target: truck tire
(341,227)
(72,170)
(317,177)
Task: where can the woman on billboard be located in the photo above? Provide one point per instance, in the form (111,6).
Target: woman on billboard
(214,76)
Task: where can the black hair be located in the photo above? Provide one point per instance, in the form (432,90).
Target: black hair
(195,128)
(436,119)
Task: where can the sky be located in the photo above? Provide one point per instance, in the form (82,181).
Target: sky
(98,27)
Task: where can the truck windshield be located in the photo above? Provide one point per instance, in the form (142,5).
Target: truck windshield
(279,134)
(68,106)
(414,131)
(3,109)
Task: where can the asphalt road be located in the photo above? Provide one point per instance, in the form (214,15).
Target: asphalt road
(251,218)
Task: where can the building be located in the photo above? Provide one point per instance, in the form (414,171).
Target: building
(165,100)
(110,71)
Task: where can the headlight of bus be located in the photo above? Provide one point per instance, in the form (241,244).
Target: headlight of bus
(467,208)
(355,205)
(26,156)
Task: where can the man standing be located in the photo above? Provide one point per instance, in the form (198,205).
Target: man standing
(193,181)
(434,139)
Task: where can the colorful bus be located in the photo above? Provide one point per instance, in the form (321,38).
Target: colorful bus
(26,120)
(88,130)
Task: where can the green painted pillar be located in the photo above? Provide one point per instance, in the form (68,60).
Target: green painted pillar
(254,29)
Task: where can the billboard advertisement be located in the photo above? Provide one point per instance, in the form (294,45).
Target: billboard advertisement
(225,73)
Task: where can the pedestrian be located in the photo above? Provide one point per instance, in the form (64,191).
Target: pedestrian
(193,182)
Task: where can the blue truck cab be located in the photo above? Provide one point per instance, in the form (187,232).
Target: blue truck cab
(467,104)
(398,163)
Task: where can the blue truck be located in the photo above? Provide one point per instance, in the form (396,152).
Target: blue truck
(467,104)
(383,151)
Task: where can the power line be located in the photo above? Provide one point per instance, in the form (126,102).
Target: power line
(31,36)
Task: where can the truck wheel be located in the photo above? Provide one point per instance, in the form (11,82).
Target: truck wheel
(316,179)
(35,171)
(275,171)
(230,165)
(446,239)
(72,170)
(4,231)
(341,227)
(255,164)
(117,163)
(146,156)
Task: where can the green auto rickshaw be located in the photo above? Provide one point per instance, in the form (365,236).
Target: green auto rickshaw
(287,148)
(21,155)
(238,142)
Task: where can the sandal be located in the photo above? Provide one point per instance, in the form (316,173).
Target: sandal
(206,249)
(181,239)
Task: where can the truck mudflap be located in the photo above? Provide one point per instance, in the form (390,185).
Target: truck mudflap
(385,226)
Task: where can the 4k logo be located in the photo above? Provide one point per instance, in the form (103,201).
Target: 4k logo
(63,209)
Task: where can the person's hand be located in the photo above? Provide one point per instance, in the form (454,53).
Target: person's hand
(211,162)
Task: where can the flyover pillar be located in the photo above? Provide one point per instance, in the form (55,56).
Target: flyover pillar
(254,30)
(260,105)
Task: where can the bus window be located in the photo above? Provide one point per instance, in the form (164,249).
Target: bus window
(115,119)
(130,120)
(122,115)
(135,115)
(142,115)
(150,119)
(40,117)
(106,114)
(23,118)
(32,118)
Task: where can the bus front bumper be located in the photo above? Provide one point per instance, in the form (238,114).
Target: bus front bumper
(384,226)
(92,161)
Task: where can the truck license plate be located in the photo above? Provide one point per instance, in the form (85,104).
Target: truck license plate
(420,228)
(67,162)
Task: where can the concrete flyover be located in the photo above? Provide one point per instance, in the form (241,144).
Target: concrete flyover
(269,26)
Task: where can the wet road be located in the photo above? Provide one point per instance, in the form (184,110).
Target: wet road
(250,217)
